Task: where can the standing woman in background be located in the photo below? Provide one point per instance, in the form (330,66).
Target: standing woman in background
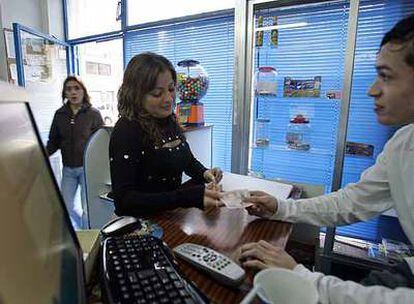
(148,151)
(71,128)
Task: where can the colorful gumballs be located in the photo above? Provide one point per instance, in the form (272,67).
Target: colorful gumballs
(192,81)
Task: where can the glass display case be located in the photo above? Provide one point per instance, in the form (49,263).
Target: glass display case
(298,133)
(266,81)
(297,89)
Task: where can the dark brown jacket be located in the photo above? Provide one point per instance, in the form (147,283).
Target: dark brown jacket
(70,133)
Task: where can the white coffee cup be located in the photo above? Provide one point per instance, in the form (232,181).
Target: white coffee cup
(282,286)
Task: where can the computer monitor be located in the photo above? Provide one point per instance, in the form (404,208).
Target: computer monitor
(40,257)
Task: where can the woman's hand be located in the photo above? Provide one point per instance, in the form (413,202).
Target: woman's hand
(213,175)
(212,199)
(264,205)
(214,186)
(263,255)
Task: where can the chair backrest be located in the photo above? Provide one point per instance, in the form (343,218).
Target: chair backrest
(98,178)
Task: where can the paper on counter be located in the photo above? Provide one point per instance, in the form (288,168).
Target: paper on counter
(233,181)
(234,199)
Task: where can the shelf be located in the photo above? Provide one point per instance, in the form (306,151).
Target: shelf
(284,148)
(318,99)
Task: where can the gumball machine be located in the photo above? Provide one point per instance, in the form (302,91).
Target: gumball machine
(192,85)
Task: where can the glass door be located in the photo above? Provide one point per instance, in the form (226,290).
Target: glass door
(298,67)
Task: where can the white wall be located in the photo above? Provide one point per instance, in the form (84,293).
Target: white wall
(26,12)
(55,10)
(3,62)
(45,16)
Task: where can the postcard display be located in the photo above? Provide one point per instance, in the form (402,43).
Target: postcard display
(45,69)
(298,76)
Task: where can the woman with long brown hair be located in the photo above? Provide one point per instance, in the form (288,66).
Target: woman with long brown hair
(148,151)
(71,128)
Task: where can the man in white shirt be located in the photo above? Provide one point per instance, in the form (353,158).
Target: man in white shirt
(387,184)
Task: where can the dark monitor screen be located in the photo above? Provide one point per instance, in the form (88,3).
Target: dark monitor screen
(40,257)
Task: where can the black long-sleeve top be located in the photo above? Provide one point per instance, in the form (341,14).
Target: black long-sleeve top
(147,179)
(70,133)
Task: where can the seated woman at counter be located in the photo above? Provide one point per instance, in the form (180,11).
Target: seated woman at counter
(148,151)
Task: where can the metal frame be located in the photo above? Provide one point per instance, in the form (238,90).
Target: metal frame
(326,259)
(124,23)
(98,37)
(17,29)
(19,55)
(65,20)
(179,20)
(241,85)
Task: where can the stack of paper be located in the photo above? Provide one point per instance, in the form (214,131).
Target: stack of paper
(233,181)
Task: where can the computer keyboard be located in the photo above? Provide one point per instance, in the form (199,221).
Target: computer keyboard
(140,269)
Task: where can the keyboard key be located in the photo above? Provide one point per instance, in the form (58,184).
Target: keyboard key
(183,292)
(150,296)
(132,277)
(169,286)
(147,289)
(178,284)
(146,273)
(189,301)
(160,292)
(135,286)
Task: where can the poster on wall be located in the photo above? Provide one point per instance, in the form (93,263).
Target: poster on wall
(359,149)
(10,55)
(274,34)
(9,40)
(37,60)
(302,87)
(259,34)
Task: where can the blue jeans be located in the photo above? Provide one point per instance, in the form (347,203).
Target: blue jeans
(71,179)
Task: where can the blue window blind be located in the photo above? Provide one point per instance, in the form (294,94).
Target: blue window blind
(302,52)
(376,17)
(211,42)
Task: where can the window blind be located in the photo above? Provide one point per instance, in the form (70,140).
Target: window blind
(376,17)
(211,42)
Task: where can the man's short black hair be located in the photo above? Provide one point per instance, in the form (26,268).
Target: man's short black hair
(403,34)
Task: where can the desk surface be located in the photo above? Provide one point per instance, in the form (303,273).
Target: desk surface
(223,230)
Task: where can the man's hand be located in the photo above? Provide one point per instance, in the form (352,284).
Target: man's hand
(212,199)
(263,255)
(264,205)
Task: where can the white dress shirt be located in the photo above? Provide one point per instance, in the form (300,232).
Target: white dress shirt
(389,183)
